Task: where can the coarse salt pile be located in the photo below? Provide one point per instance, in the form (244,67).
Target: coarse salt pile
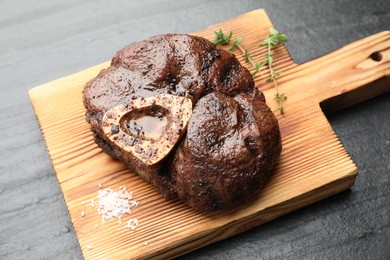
(112,204)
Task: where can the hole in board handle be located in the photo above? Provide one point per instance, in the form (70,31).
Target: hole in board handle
(376,56)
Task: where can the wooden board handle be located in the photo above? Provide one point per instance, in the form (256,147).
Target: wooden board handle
(347,76)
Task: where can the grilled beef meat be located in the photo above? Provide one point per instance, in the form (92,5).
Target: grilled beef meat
(232,138)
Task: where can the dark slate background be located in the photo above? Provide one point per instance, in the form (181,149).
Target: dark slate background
(43,40)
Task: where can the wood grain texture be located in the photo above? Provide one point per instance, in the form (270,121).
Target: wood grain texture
(313,164)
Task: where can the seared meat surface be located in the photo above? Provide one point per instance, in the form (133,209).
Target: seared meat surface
(232,138)
(230,147)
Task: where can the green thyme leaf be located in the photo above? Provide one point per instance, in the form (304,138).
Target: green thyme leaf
(221,38)
(274,38)
(257,68)
(235,44)
(246,55)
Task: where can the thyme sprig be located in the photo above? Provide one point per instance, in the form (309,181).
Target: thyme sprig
(273,40)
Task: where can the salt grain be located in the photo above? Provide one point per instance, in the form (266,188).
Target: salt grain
(134,203)
(145,243)
(83,214)
(89,247)
(132,223)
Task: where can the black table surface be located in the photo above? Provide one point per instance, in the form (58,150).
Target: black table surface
(43,40)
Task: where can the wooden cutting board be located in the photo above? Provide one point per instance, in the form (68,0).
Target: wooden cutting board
(313,164)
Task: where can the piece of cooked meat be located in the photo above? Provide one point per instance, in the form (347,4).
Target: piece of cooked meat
(181,65)
(231,145)
(190,67)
